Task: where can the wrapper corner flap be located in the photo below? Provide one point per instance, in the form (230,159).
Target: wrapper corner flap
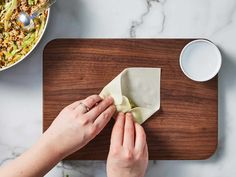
(135,90)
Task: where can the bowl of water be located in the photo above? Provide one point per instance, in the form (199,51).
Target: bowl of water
(200,60)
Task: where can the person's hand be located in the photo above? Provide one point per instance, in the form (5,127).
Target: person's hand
(73,128)
(79,123)
(128,155)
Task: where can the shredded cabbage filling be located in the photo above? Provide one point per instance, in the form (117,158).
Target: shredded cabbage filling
(16,42)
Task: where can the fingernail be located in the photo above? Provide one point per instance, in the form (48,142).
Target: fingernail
(111,99)
(114,107)
(129,114)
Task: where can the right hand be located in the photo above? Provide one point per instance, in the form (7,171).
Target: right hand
(128,155)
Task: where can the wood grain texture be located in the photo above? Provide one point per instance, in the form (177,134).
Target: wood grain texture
(184,128)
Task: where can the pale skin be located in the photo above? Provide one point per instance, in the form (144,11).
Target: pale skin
(72,129)
(128,155)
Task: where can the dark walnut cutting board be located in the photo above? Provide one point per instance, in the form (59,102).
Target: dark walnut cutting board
(185,127)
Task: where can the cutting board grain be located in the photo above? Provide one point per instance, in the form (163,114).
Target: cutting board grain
(185,127)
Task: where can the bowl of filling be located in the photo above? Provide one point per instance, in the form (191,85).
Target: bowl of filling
(16,43)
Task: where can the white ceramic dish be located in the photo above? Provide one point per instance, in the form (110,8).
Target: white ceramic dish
(35,45)
(200,60)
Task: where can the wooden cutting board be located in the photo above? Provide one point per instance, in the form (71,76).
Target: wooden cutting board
(184,128)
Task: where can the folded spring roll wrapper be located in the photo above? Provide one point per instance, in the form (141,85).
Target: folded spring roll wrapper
(135,90)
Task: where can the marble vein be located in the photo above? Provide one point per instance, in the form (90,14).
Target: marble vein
(229,20)
(137,23)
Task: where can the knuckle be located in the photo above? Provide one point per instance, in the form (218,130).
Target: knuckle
(128,155)
(105,115)
(108,101)
(95,98)
(92,131)
(84,121)
(91,100)
(95,128)
(98,109)
(139,155)
(115,151)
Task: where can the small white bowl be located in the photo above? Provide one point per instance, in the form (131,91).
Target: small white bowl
(200,60)
(39,39)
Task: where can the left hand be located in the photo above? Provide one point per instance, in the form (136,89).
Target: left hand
(73,128)
(79,123)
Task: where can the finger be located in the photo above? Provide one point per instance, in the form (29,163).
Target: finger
(115,115)
(129,132)
(74,105)
(118,130)
(146,149)
(89,102)
(97,110)
(104,118)
(140,139)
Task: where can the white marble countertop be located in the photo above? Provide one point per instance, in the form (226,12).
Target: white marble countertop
(21,86)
